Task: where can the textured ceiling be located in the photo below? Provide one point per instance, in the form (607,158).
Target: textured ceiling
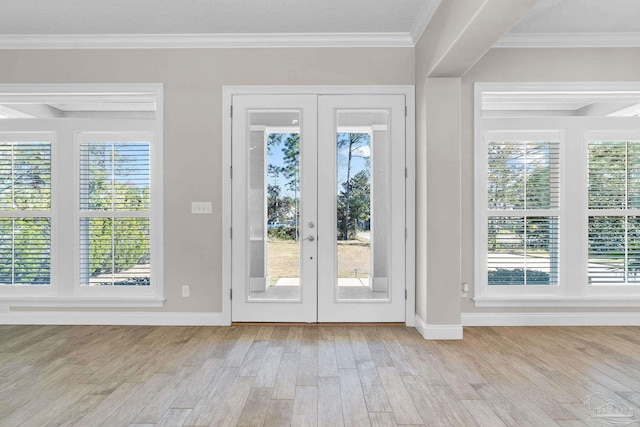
(581,16)
(208,16)
(246,17)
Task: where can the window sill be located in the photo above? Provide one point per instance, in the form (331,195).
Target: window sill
(81,302)
(607,301)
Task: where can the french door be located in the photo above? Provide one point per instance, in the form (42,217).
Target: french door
(318,208)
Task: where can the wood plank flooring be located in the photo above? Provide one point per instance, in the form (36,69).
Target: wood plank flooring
(307,375)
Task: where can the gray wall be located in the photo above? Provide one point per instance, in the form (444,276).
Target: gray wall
(437,192)
(193,80)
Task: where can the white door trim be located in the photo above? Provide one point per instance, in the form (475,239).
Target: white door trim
(227,94)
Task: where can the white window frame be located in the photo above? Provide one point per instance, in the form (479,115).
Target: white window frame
(611,135)
(483,214)
(65,289)
(100,137)
(573,289)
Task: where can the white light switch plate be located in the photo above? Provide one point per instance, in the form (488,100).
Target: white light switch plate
(201,207)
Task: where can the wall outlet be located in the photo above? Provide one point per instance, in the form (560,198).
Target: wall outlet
(201,208)
(464,290)
(185,291)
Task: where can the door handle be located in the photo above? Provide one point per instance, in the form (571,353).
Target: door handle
(310,238)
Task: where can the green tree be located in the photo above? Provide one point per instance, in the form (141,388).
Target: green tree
(352,142)
(279,207)
(115,181)
(356,203)
(25,185)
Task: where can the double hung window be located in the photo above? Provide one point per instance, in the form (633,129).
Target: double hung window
(114,210)
(81,195)
(557,195)
(613,211)
(522,210)
(25,209)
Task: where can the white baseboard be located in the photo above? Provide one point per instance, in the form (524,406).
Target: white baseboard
(552,319)
(438,332)
(111,318)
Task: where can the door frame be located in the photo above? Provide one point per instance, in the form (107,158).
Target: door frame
(227,95)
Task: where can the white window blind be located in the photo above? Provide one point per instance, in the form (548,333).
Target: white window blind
(614,212)
(25,219)
(523,193)
(115,213)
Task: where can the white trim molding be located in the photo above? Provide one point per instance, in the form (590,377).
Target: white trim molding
(559,301)
(83,302)
(552,319)
(136,318)
(199,41)
(438,332)
(568,40)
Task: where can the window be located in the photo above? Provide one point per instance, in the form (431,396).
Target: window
(81,195)
(557,195)
(614,212)
(523,201)
(25,210)
(114,211)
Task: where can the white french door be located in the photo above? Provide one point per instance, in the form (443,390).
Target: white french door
(318,208)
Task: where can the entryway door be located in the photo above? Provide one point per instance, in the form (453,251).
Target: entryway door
(318,208)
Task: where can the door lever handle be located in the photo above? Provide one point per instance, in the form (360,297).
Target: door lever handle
(310,238)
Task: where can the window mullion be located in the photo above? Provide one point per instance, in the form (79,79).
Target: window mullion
(13,221)
(524,218)
(113,250)
(13,176)
(13,251)
(113,178)
(626,216)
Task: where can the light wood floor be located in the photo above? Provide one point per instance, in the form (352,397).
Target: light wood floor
(306,375)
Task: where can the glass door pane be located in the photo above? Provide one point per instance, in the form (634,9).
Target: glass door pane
(274,205)
(361,204)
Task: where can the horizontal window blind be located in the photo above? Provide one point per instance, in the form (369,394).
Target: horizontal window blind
(523,175)
(114,176)
(523,193)
(522,250)
(614,175)
(25,251)
(25,194)
(25,176)
(115,248)
(614,249)
(613,201)
(115,251)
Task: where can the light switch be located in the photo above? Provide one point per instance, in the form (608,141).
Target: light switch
(201,207)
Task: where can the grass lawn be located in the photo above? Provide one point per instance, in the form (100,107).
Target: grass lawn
(354,258)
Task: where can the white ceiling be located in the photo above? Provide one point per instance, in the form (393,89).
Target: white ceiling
(209,16)
(581,16)
(270,23)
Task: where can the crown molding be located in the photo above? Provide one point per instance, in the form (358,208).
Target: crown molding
(195,41)
(423,18)
(568,40)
